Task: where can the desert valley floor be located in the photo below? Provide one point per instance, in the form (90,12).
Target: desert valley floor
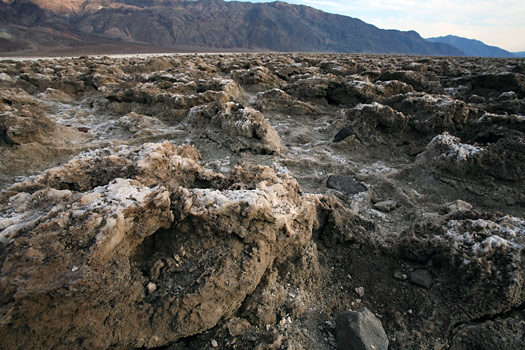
(243,201)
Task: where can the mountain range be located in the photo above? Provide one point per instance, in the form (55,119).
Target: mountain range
(473,47)
(37,25)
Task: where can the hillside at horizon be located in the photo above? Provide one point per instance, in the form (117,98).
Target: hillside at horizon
(206,24)
(473,47)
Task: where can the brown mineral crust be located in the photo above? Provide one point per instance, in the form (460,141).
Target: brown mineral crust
(29,139)
(236,127)
(256,79)
(481,252)
(73,238)
(23,120)
(96,249)
(366,119)
(431,113)
(152,164)
(277,100)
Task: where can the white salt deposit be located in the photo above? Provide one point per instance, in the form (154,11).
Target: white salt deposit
(456,150)
(483,237)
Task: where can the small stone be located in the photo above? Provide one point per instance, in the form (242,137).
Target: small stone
(345,184)
(421,278)
(386,206)
(414,150)
(151,287)
(360,330)
(214,343)
(343,134)
(360,291)
(400,276)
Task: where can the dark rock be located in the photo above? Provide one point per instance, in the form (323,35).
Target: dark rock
(345,184)
(421,278)
(360,330)
(343,134)
(414,150)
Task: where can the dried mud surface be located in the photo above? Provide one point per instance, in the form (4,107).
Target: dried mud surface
(243,201)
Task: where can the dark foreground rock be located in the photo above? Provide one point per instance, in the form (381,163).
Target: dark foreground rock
(345,184)
(422,278)
(360,330)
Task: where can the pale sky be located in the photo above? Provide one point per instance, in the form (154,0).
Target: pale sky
(498,22)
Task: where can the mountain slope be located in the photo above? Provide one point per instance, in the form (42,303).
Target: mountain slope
(274,26)
(472,47)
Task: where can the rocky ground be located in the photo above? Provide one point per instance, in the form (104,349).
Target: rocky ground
(244,201)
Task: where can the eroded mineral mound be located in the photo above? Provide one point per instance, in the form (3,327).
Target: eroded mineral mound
(246,201)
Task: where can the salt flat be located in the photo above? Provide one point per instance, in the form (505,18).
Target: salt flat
(247,199)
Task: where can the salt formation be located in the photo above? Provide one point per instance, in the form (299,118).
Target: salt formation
(244,201)
(97,248)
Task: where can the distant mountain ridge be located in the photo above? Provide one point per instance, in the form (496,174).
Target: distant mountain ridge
(472,47)
(275,26)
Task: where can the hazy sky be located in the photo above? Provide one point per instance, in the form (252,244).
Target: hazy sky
(497,22)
